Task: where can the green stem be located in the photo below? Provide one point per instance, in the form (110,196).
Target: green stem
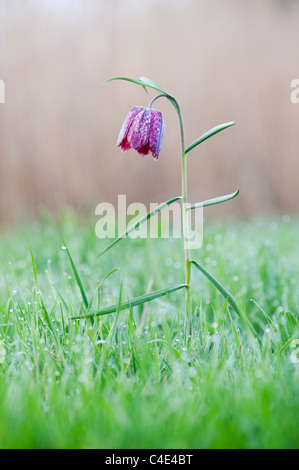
(184,199)
(185,215)
(184,193)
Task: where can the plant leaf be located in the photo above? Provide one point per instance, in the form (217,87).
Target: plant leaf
(209,134)
(235,333)
(231,300)
(77,277)
(49,321)
(158,340)
(143,81)
(34,268)
(211,202)
(139,222)
(148,82)
(265,314)
(133,302)
(107,275)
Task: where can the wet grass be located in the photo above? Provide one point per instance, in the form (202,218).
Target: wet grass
(145,378)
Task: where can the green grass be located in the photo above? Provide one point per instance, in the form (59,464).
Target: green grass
(146,378)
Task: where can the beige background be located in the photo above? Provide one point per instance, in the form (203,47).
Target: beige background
(223,59)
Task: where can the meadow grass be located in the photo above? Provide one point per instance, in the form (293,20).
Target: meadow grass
(146,377)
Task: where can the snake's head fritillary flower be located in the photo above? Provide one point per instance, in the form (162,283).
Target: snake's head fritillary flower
(143,130)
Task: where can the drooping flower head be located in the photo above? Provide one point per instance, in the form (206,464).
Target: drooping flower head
(143,130)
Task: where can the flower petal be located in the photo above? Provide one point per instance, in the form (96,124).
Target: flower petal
(138,134)
(125,145)
(156,133)
(126,126)
(145,150)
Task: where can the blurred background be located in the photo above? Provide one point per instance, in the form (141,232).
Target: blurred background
(223,60)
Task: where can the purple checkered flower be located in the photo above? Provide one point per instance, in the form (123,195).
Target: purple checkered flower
(143,130)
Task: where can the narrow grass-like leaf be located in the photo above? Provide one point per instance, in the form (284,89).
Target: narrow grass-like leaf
(139,222)
(221,314)
(113,329)
(143,81)
(231,300)
(132,80)
(265,314)
(235,333)
(133,302)
(34,269)
(100,284)
(211,202)
(284,347)
(209,134)
(77,277)
(158,340)
(107,275)
(49,321)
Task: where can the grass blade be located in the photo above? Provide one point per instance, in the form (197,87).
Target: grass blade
(231,300)
(118,309)
(34,269)
(172,348)
(216,200)
(139,222)
(114,270)
(209,134)
(265,314)
(77,277)
(133,302)
(49,321)
(235,333)
(100,284)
